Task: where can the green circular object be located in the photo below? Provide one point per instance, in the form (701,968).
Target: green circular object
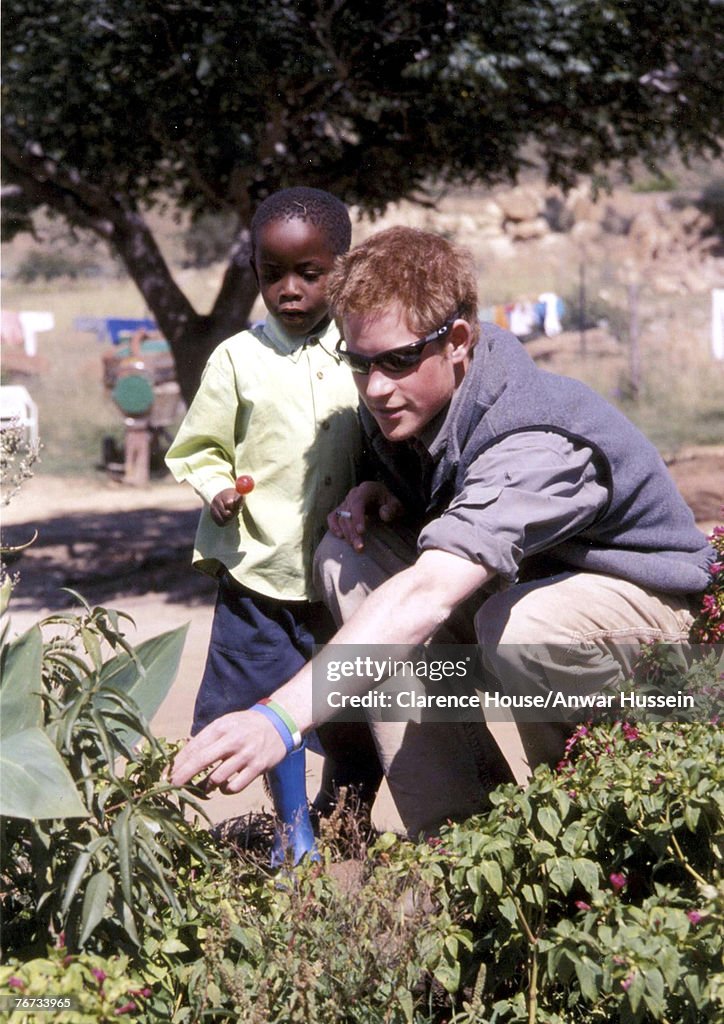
(133,394)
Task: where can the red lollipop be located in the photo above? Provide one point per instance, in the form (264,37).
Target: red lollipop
(244,484)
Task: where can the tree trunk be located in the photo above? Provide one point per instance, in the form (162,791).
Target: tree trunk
(192,336)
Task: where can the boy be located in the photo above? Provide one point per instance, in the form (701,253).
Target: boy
(275,403)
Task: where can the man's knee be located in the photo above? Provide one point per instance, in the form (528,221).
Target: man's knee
(326,563)
(513,616)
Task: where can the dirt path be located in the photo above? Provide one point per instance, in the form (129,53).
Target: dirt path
(131,548)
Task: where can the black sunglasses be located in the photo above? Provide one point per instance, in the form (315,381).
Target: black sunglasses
(396,360)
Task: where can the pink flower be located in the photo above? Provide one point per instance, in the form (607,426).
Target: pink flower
(99,975)
(618,880)
(628,981)
(695,916)
(582,905)
(126,1008)
(630,731)
(16,982)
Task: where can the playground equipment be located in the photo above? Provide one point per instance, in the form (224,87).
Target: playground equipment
(140,376)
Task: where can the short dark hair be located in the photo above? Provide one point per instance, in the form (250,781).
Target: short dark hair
(321,208)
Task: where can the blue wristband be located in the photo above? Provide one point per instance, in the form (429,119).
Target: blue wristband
(280,725)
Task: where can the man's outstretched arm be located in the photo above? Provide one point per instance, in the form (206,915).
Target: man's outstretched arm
(406,609)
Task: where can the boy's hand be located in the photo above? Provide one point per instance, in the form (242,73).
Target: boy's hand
(349,520)
(225,506)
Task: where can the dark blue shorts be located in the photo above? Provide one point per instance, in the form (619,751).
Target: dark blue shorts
(257,644)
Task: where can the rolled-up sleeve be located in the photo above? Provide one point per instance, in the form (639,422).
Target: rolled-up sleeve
(525,495)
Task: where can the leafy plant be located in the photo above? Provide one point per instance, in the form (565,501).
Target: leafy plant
(299,949)
(92,835)
(708,627)
(596,893)
(99,989)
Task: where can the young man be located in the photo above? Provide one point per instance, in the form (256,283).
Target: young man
(512,507)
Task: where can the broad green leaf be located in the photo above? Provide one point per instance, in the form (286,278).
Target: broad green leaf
(448,974)
(654,996)
(20,704)
(587,974)
(405,1000)
(473,878)
(6,590)
(94,903)
(147,681)
(122,832)
(74,879)
(79,869)
(549,821)
(586,871)
(34,781)
(493,875)
(561,874)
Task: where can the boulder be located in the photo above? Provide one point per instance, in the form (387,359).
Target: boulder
(523,230)
(521,203)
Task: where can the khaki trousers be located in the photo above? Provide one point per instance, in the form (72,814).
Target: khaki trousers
(571,631)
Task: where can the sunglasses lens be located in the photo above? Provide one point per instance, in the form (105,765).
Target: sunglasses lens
(395,361)
(398,361)
(357,364)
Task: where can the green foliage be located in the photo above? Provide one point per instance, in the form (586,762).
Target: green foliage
(102,989)
(657,183)
(47,266)
(93,835)
(708,627)
(35,782)
(596,893)
(370,100)
(292,948)
(115,106)
(208,239)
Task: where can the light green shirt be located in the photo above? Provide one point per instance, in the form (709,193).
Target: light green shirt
(283,410)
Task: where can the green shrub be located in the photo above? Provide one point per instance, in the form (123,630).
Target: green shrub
(656,183)
(208,239)
(48,265)
(93,836)
(293,949)
(596,893)
(100,989)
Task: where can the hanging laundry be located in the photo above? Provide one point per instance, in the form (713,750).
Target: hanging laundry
(523,319)
(501,316)
(552,312)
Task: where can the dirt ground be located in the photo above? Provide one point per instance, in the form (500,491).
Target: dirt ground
(130,548)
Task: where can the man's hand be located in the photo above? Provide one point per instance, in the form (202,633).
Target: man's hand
(241,745)
(349,519)
(225,506)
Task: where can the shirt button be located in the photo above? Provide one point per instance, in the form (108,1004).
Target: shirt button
(320,374)
(327,481)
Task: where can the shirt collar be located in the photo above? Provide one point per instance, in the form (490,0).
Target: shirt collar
(293,345)
(433,436)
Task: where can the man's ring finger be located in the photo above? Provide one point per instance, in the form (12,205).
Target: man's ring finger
(342,513)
